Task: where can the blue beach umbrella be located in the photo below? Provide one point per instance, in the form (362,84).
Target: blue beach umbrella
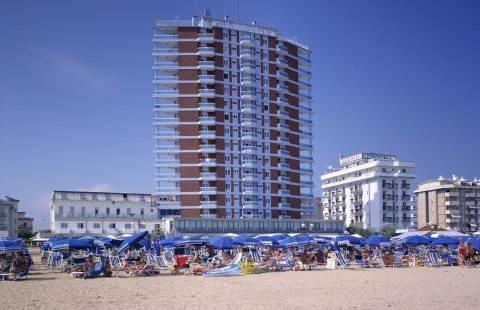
(415,240)
(445,241)
(377,240)
(72,244)
(246,240)
(221,242)
(349,239)
(11,246)
(132,242)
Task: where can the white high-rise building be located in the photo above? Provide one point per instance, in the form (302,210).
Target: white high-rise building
(370,190)
(232,121)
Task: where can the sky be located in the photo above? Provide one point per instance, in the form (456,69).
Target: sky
(75,87)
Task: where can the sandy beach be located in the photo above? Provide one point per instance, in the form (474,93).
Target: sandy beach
(408,288)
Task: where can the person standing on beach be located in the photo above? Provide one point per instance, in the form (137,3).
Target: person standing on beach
(461,253)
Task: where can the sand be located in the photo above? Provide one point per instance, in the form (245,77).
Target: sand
(405,288)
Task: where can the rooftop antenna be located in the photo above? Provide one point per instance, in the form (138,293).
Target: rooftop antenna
(238,11)
(196,8)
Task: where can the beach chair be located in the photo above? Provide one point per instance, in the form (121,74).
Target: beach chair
(342,260)
(433,259)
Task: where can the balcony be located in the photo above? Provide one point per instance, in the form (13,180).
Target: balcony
(246,81)
(208,175)
(283,166)
(282,63)
(166,92)
(207,106)
(166,79)
(249,177)
(167,120)
(304,108)
(208,190)
(249,149)
(205,148)
(165,37)
(248,108)
(282,89)
(167,106)
(248,136)
(247,68)
(167,134)
(247,54)
(246,41)
(452,202)
(283,114)
(206,51)
(452,194)
(284,192)
(249,163)
(206,93)
(283,140)
(283,179)
(206,65)
(304,59)
(208,162)
(249,122)
(165,51)
(207,134)
(282,101)
(247,95)
(206,78)
(206,120)
(208,204)
(284,205)
(283,153)
(305,133)
(282,127)
(166,64)
(205,37)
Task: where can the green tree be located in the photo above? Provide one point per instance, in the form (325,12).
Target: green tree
(25,234)
(359,230)
(388,231)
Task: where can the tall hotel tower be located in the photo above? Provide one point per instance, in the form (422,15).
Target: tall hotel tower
(232,121)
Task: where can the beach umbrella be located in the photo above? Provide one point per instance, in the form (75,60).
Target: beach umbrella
(132,241)
(445,241)
(377,240)
(190,241)
(245,240)
(296,240)
(11,246)
(72,244)
(473,241)
(415,240)
(348,239)
(267,240)
(221,242)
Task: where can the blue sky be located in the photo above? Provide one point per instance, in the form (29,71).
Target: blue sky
(75,87)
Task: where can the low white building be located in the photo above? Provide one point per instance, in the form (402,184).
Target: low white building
(370,190)
(79,213)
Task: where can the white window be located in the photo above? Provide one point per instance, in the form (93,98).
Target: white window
(64,225)
(80,225)
(96,225)
(128,226)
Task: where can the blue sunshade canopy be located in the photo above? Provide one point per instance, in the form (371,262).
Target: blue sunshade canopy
(132,242)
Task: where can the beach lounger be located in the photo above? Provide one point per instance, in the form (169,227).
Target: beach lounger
(13,275)
(341,259)
(449,259)
(433,259)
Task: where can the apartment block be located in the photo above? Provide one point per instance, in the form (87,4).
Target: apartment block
(80,213)
(452,204)
(370,190)
(232,121)
(8,217)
